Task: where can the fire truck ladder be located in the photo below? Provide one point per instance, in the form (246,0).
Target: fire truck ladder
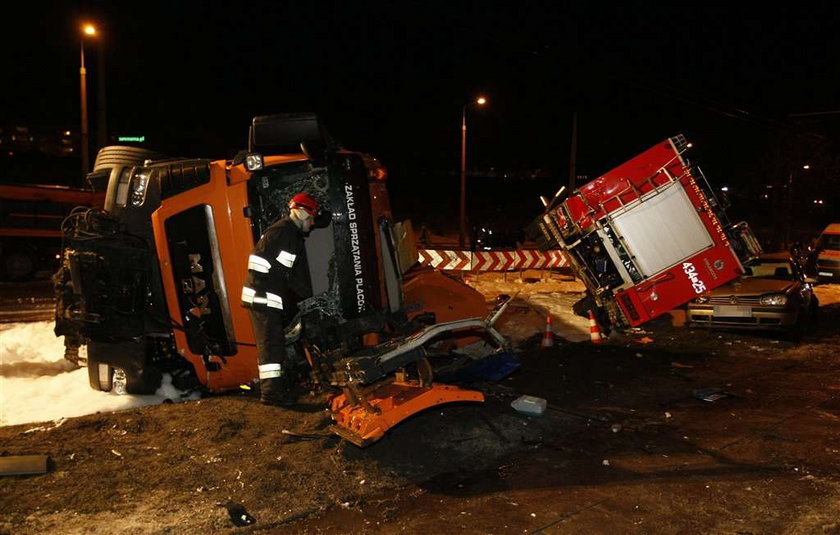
(641,196)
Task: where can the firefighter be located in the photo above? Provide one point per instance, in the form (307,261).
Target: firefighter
(278,278)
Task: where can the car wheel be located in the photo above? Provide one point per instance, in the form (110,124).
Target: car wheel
(797,330)
(814,311)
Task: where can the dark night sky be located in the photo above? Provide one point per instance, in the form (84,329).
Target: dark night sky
(390,78)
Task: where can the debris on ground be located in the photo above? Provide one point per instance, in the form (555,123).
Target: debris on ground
(18,465)
(710,394)
(238,515)
(530,405)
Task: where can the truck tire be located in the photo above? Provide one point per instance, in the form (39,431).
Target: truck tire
(118,155)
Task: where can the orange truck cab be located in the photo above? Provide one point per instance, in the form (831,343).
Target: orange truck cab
(152,283)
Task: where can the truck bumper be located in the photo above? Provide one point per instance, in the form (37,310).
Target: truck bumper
(828,271)
(758,319)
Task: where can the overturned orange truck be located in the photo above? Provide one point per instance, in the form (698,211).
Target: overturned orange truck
(152,283)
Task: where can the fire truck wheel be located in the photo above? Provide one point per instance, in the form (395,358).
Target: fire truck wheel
(118,155)
(18,265)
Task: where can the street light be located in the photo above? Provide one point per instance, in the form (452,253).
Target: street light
(87,30)
(481,101)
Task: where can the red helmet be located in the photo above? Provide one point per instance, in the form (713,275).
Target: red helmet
(305,202)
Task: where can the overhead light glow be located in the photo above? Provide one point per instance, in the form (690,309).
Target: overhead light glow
(89,29)
(481,101)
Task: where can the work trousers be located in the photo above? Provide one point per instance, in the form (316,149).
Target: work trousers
(276,372)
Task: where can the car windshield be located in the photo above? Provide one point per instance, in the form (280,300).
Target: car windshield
(770,270)
(830,241)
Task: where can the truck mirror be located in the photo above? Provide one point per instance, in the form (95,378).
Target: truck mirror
(287,132)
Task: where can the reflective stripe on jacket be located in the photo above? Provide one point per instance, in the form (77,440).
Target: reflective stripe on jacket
(278,273)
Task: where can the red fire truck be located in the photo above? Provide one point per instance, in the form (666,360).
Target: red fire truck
(647,236)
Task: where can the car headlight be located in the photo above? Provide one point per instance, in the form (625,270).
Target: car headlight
(774,299)
(702,299)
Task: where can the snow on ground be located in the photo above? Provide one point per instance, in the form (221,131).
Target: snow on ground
(37,384)
(543,296)
(828,294)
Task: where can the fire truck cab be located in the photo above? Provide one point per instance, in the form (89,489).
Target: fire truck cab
(646,237)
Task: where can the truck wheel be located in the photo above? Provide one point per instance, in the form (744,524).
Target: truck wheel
(18,265)
(118,155)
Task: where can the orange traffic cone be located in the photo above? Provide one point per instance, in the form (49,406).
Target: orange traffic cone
(595,334)
(548,334)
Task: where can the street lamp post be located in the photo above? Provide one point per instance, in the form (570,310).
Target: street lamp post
(462,238)
(88,29)
(102,122)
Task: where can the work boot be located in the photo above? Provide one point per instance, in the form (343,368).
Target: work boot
(279,401)
(279,391)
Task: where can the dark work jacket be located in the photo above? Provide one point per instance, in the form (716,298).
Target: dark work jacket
(278,273)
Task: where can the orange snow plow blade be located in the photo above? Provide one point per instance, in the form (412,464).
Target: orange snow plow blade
(364,416)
